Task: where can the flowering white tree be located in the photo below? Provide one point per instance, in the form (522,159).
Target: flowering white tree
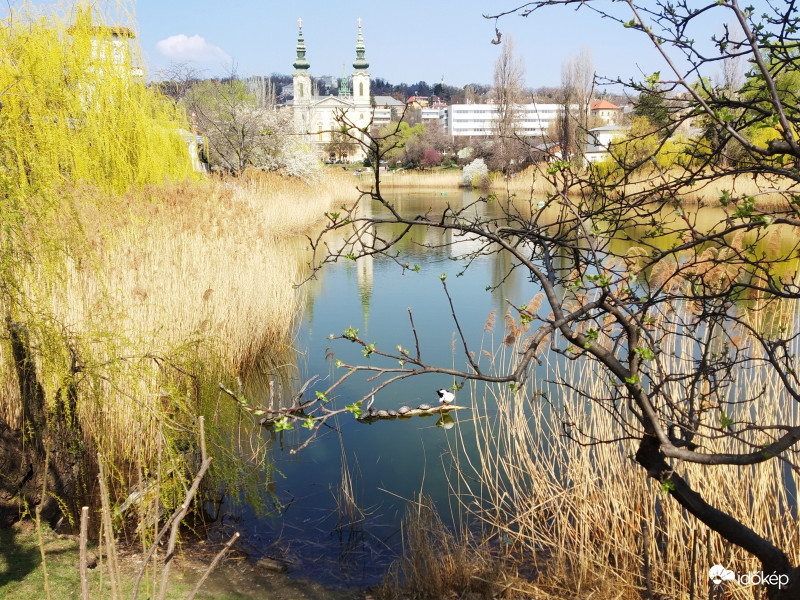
(295,158)
(240,133)
(475,174)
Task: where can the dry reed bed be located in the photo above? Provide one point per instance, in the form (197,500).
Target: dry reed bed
(185,281)
(437,563)
(768,191)
(586,515)
(536,182)
(531,180)
(421,179)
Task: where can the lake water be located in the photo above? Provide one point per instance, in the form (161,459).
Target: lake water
(389,461)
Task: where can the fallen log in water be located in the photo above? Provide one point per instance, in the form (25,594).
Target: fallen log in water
(374,415)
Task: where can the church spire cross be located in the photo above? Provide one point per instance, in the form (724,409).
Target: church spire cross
(300,63)
(361,63)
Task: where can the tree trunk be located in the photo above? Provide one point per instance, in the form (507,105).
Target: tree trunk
(22,451)
(773,559)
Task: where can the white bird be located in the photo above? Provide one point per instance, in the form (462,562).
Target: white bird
(446,396)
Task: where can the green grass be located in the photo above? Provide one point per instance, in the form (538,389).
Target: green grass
(22,576)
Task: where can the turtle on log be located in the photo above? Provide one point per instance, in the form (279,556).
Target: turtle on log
(371,415)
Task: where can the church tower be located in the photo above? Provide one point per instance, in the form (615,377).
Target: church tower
(360,74)
(344,89)
(302,77)
(318,119)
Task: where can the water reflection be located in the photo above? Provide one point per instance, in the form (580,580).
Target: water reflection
(370,469)
(341,499)
(446,422)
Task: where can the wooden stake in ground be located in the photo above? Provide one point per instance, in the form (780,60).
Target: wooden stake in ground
(83,540)
(111,551)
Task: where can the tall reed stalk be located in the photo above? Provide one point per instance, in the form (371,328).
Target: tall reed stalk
(552,479)
(185,285)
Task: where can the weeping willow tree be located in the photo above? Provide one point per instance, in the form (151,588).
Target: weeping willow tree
(76,109)
(74,112)
(76,119)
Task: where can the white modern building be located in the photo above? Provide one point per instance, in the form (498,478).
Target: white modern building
(386,109)
(479,120)
(430,113)
(599,140)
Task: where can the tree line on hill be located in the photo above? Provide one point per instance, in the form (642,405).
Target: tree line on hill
(179,77)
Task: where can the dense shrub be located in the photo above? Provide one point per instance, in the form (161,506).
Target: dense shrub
(431,157)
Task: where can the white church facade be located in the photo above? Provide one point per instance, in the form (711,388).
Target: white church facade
(319,118)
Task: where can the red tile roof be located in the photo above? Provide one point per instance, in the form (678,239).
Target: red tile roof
(603,105)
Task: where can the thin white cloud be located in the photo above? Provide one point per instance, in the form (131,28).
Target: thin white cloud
(182,48)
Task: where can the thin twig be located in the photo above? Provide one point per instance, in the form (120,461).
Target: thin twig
(179,514)
(213,565)
(111,551)
(414,331)
(153,548)
(471,360)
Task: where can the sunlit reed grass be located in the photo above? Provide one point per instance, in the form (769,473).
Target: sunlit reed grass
(531,180)
(438,563)
(422,179)
(768,191)
(534,181)
(186,282)
(585,514)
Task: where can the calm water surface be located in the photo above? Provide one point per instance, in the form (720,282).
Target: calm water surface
(389,462)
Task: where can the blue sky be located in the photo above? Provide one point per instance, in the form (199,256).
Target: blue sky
(406,41)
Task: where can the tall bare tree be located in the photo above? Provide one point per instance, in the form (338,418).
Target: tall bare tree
(242,130)
(177,79)
(577,86)
(509,83)
(263,90)
(470,97)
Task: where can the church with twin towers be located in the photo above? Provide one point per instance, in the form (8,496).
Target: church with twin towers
(316,116)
